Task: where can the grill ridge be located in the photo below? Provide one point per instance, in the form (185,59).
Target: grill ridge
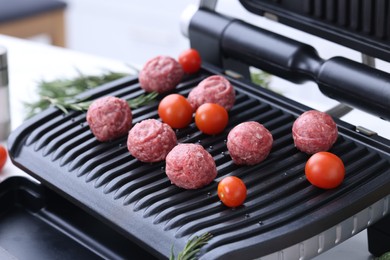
(63,142)
(55,137)
(189,200)
(130,186)
(115,168)
(151,189)
(361,175)
(76,147)
(132,180)
(87,164)
(76,136)
(40,124)
(180,208)
(50,131)
(107,166)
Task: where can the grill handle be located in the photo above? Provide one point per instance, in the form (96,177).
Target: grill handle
(357,85)
(347,81)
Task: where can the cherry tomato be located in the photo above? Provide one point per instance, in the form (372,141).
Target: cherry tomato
(190,60)
(211,118)
(175,110)
(325,170)
(3,156)
(232,191)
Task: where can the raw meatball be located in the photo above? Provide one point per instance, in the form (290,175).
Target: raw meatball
(214,89)
(109,118)
(150,140)
(160,74)
(249,143)
(190,166)
(314,131)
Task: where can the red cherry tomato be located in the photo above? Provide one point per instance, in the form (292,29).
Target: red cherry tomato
(232,191)
(325,170)
(211,118)
(190,60)
(3,156)
(175,110)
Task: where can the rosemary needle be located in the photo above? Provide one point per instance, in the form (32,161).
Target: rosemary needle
(83,105)
(192,247)
(59,90)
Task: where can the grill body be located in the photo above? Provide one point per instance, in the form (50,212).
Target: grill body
(37,223)
(281,211)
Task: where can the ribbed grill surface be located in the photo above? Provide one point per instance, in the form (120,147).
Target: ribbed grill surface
(278,193)
(368,17)
(364,16)
(362,25)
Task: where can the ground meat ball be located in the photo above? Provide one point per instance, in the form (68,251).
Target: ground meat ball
(190,166)
(160,74)
(214,89)
(249,143)
(150,140)
(109,118)
(314,131)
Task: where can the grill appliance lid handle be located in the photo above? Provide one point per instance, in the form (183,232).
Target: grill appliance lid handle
(221,39)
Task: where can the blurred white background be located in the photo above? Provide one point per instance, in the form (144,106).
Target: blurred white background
(134,31)
(130,31)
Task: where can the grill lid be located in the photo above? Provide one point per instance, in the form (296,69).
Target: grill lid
(282,208)
(360,25)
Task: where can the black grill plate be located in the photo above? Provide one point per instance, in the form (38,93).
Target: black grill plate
(138,200)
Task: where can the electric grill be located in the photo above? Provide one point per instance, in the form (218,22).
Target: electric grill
(283,217)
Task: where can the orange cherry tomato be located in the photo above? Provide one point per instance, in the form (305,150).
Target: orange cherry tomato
(232,191)
(190,60)
(325,170)
(175,110)
(211,118)
(3,156)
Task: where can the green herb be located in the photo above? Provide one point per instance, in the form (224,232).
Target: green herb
(60,90)
(385,256)
(192,247)
(83,105)
(260,77)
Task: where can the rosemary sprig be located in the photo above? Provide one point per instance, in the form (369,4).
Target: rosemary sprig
(142,100)
(261,78)
(192,247)
(385,256)
(65,89)
(83,104)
